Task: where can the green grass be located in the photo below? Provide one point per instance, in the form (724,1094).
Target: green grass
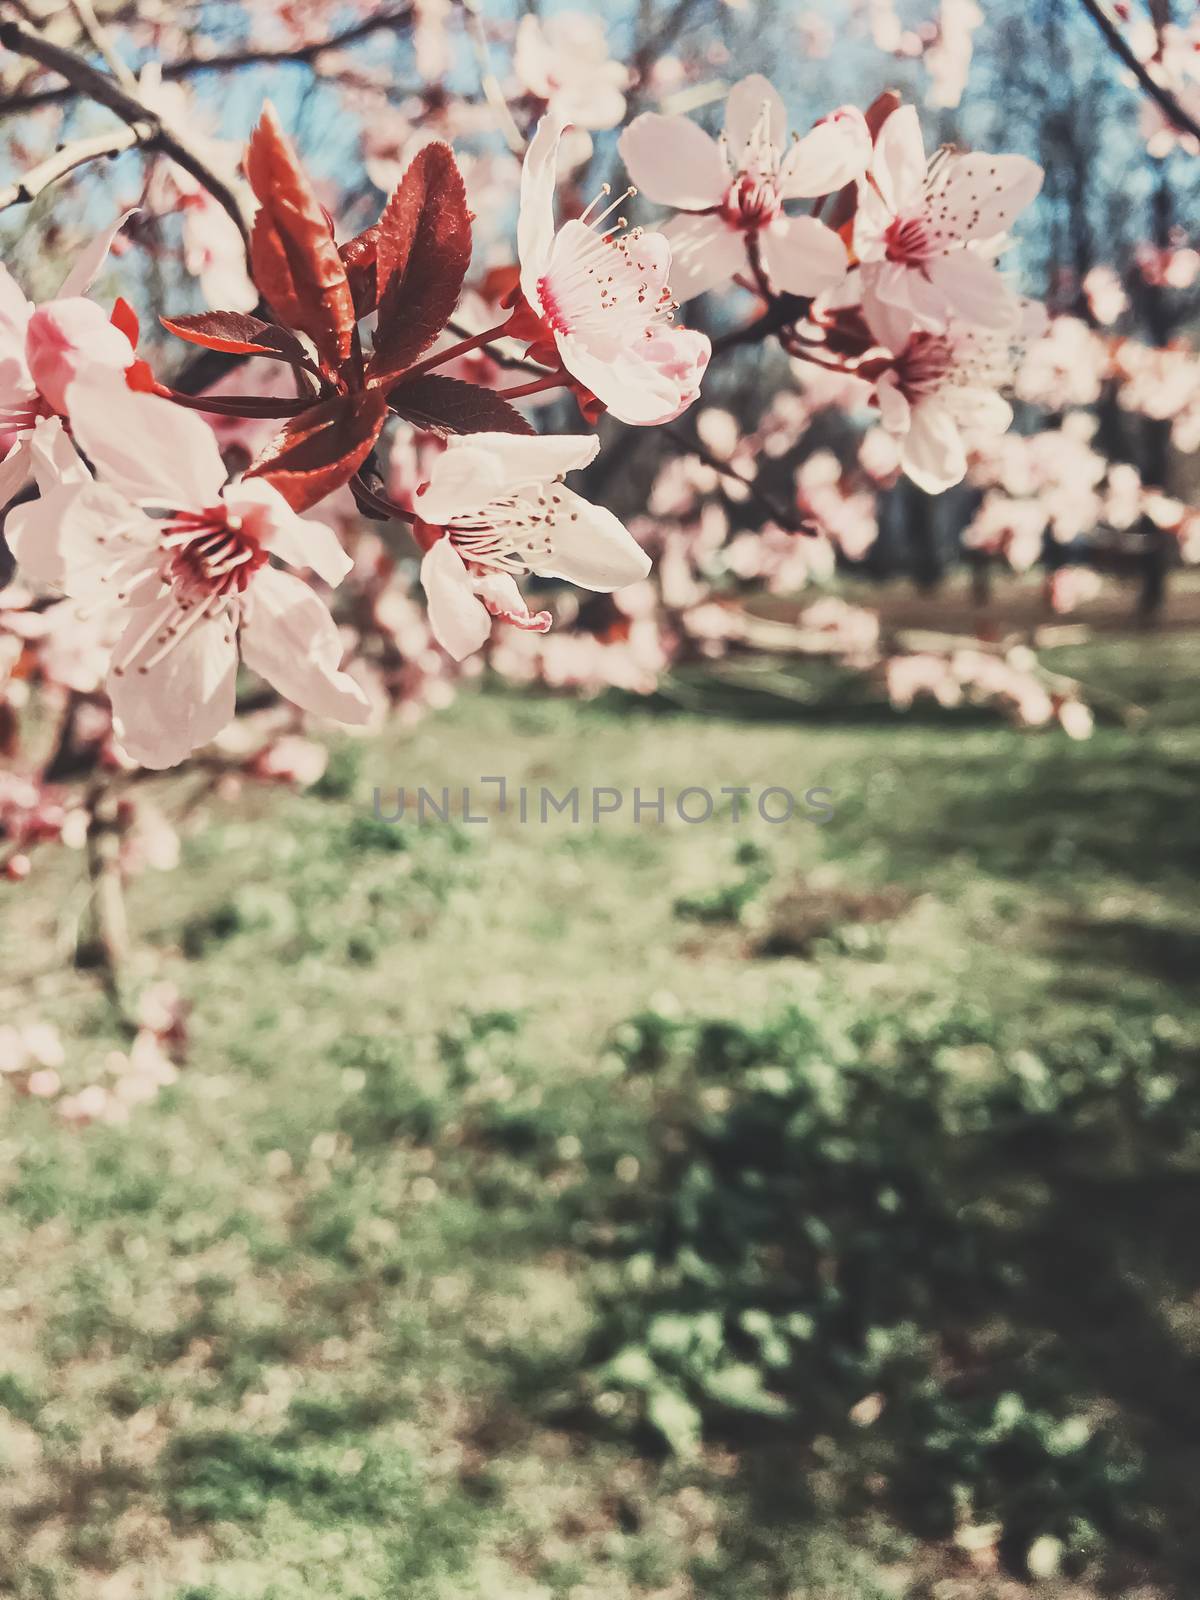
(337,1314)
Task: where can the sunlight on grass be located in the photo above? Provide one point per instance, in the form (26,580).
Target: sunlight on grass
(615,1211)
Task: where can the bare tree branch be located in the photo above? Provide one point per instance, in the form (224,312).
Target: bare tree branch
(174,71)
(1119,45)
(76,154)
(97,36)
(97,85)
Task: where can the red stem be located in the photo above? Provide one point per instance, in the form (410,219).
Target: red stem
(440,357)
(552,380)
(250,405)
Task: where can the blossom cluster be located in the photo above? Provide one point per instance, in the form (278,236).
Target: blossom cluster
(175,573)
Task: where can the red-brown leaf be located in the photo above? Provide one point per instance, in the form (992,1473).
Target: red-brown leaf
(322,448)
(447,405)
(238,334)
(292,251)
(358,258)
(423,250)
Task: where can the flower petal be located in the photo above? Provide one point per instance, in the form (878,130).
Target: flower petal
(674,162)
(636,390)
(53,457)
(482,467)
(503,601)
(832,155)
(14,470)
(84,539)
(895,413)
(294,539)
(66,337)
(899,163)
(744,108)
(803,256)
(891,325)
(289,638)
(150,449)
(458,619)
(164,709)
(91,258)
(983,411)
(534,457)
(705,253)
(535,219)
(972,288)
(981,195)
(933,455)
(592,548)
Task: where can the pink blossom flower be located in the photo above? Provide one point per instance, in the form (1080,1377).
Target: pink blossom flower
(193,584)
(927,235)
(564,61)
(1014,529)
(42,348)
(1105,294)
(948,60)
(941,391)
(494,508)
(732,191)
(603,298)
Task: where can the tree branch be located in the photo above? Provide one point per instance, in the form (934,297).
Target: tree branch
(1119,45)
(232,60)
(97,85)
(69,156)
(787,519)
(97,36)
(782,312)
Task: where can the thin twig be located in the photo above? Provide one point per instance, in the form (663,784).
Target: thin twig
(512,363)
(782,312)
(777,513)
(488,81)
(76,154)
(97,85)
(174,71)
(1169,105)
(97,35)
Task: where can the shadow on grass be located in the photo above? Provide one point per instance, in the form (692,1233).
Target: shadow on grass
(900,1275)
(1032,811)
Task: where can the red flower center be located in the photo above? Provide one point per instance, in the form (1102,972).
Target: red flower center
(907,242)
(752,202)
(215,554)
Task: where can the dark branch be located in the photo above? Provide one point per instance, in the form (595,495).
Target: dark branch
(1119,45)
(98,86)
(788,520)
(231,61)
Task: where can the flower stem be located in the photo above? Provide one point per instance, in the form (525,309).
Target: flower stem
(453,351)
(382,503)
(552,380)
(249,405)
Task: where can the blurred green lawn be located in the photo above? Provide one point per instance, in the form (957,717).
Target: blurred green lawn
(416,1284)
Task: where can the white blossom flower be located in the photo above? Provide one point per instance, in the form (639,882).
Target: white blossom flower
(732,192)
(495,508)
(193,582)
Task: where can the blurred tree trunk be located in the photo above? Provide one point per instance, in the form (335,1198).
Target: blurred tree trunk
(1156,440)
(925,556)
